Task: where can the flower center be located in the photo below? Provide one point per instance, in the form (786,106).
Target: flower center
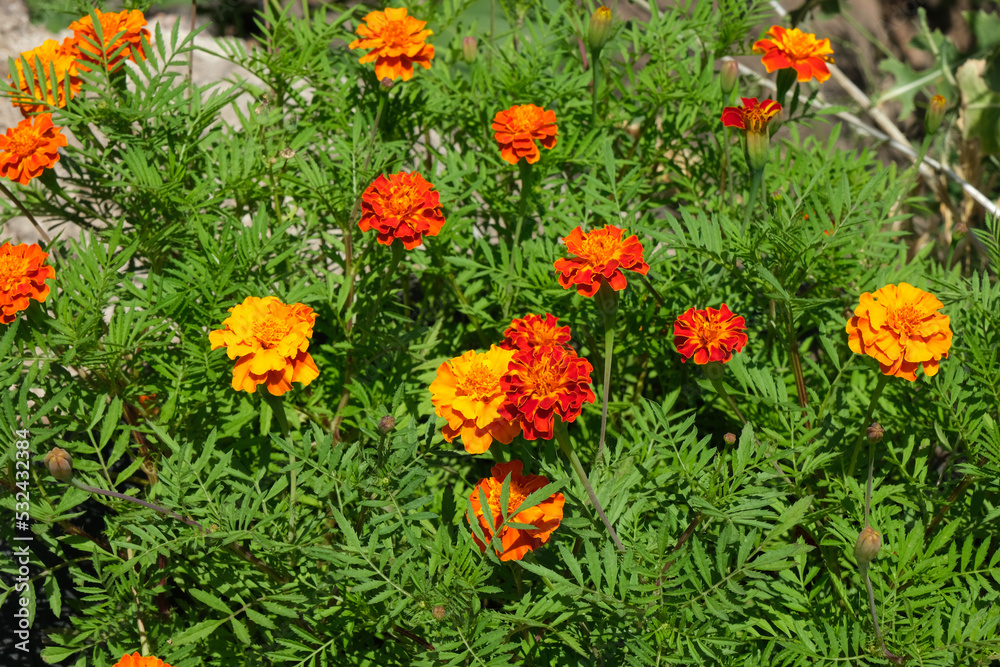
(402,201)
(24,143)
(514,498)
(543,335)
(904,319)
(396,33)
(479,380)
(271,331)
(600,249)
(798,44)
(523,119)
(12,271)
(544,377)
(707,332)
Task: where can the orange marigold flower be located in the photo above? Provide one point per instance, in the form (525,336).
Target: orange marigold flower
(30,148)
(22,278)
(543,382)
(135,660)
(900,327)
(532,331)
(519,126)
(269,339)
(709,335)
(403,206)
(467,393)
(52,56)
(545,517)
(121,39)
(799,50)
(600,257)
(395,42)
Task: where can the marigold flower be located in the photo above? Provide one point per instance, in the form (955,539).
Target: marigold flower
(900,327)
(518,127)
(121,39)
(30,148)
(60,464)
(62,58)
(753,118)
(269,339)
(135,660)
(935,113)
(545,517)
(799,50)
(403,206)
(395,42)
(532,331)
(709,335)
(22,278)
(867,546)
(600,257)
(467,393)
(544,382)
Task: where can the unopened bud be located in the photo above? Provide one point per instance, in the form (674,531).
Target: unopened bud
(935,114)
(386,83)
(875,433)
(439,612)
(470,49)
(60,464)
(714,370)
(600,28)
(730,438)
(386,424)
(729,75)
(867,547)
(287,153)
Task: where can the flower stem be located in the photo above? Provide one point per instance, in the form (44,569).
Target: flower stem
(595,59)
(882,379)
(720,389)
(863,568)
(277,404)
(121,496)
(562,437)
(522,213)
(27,213)
(756,179)
(868,490)
(609,348)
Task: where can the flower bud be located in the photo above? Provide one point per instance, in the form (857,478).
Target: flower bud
(386,83)
(729,438)
(470,49)
(868,544)
(728,77)
(386,424)
(935,114)
(875,433)
(439,612)
(714,370)
(600,28)
(60,464)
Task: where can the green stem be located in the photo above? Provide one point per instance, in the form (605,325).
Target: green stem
(727,167)
(121,496)
(882,379)
(756,179)
(27,214)
(595,59)
(868,490)
(562,437)
(609,347)
(720,389)
(526,173)
(863,567)
(277,404)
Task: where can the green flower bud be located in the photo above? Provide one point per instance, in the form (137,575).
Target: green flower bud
(600,28)
(868,544)
(935,114)
(728,76)
(60,464)
(470,49)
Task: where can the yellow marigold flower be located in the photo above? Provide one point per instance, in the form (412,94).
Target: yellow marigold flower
(901,328)
(269,339)
(468,394)
(22,278)
(30,148)
(799,50)
(121,39)
(395,42)
(51,55)
(135,660)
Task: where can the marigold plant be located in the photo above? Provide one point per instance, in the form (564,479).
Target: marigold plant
(30,148)
(753,117)
(467,393)
(709,335)
(396,43)
(545,517)
(543,383)
(52,57)
(269,340)
(121,39)
(22,278)
(900,327)
(798,50)
(403,206)
(518,127)
(600,256)
(532,331)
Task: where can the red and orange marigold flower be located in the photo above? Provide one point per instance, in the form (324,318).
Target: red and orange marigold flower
(753,117)
(396,43)
(799,50)
(121,39)
(518,127)
(22,278)
(467,393)
(545,517)
(542,383)
(403,206)
(709,335)
(900,327)
(62,58)
(600,256)
(269,340)
(136,660)
(532,331)
(30,148)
